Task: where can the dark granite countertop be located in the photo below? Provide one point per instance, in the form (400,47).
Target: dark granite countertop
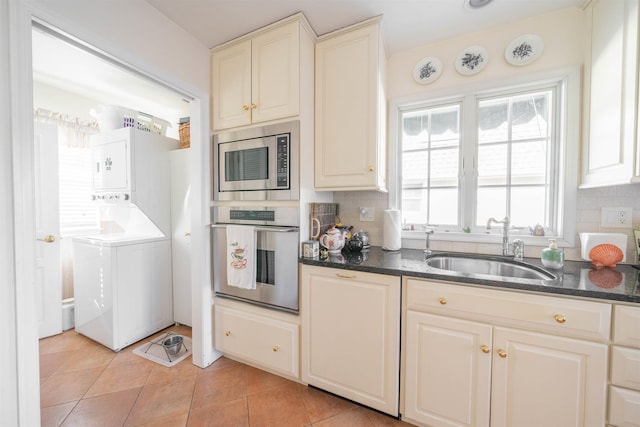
(576,278)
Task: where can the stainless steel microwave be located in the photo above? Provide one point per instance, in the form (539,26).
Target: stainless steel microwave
(259,163)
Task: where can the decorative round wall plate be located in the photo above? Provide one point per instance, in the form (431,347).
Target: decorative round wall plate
(472,60)
(427,70)
(524,50)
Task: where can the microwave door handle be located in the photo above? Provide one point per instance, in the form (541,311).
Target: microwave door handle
(272,229)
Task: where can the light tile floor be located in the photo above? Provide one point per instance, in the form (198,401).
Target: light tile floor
(85,384)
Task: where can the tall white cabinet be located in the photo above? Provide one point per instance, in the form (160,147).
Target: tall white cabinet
(350,150)
(351,335)
(181,236)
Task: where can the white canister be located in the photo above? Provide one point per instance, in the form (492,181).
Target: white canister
(310,249)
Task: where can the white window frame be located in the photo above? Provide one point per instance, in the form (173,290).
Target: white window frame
(568,133)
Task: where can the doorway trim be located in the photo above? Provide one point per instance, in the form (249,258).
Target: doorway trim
(25,408)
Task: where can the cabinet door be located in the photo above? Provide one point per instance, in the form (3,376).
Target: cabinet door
(611,91)
(265,342)
(543,380)
(181,236)
(350,334)
(110,166)
(448,371)
(275,78)
(231,86)
(348,110)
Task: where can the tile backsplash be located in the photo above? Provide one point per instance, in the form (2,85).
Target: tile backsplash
(588,211)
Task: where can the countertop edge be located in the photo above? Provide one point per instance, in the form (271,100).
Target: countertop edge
(393,264)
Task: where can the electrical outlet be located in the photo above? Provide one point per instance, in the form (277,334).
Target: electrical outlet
(616,217)
(367,214)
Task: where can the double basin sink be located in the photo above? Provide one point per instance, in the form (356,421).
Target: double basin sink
(490,268)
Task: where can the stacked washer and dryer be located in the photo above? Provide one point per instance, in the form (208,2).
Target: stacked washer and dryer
(122,276)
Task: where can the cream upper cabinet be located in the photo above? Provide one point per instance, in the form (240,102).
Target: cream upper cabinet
(257,78)
(481,357)
(351,335)
(350,142)
(611,149)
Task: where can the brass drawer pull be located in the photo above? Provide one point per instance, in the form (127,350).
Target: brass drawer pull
(346,276)
(560,318)
(275,348)
(442,300)
(228,333)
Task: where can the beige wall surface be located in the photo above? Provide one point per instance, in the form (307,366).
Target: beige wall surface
(562,33)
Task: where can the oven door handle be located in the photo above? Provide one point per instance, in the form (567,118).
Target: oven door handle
(270,228)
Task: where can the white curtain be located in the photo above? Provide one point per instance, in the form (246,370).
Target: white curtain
(71,130)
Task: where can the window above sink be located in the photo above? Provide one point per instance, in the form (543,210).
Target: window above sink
(509,149)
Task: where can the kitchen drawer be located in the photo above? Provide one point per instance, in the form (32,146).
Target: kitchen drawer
(261,341)
(626,329)
(624,407)
(558,316)
(625,367)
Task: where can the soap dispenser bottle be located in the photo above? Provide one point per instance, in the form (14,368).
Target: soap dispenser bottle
(552,257)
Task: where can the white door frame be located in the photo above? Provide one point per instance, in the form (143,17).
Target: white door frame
(19,382)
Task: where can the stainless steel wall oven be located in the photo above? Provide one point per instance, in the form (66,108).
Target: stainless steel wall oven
(277,237)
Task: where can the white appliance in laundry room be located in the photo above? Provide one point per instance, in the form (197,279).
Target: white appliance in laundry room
(122,276)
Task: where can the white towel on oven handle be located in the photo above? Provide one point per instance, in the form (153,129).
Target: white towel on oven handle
(241,256)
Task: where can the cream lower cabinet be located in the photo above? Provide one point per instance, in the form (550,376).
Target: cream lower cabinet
(351,335)
(263,338)
(624,393)
(466,366)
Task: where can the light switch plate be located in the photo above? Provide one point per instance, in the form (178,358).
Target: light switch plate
(367,214)
(616,217)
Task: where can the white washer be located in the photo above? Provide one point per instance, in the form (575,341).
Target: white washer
(122,288)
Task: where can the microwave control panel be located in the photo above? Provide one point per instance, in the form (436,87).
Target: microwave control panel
(282,162)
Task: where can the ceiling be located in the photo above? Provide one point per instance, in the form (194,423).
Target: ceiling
(406,23)
(72,69)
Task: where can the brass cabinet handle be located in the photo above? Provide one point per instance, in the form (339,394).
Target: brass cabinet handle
(275,348)
(443,300)
(502,353)
(228,333)
(346,276)
(254,106)
(245,108)
(370,168)
(485,348)
(48,239)
(560,318)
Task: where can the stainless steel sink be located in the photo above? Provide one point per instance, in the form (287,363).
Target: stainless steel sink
(489,267)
